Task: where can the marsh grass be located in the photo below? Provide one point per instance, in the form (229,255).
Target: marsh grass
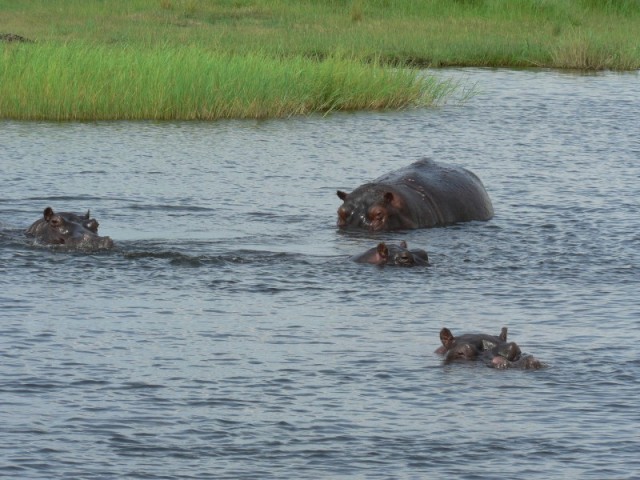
(258,58)
(79,82)
(580,50)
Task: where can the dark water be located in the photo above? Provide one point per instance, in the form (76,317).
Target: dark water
(228,337)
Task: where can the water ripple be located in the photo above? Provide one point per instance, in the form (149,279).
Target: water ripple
(228,334)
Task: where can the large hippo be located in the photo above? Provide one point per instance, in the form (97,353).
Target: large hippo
(389,254)
(495,351)
(68,229)
(425,194)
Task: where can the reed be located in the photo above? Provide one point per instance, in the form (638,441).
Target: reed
(80,82)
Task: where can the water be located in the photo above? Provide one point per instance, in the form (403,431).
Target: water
(227,335)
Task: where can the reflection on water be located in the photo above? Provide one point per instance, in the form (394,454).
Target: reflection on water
(228,335)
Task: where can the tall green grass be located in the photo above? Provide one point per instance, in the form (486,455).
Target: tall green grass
(257,58)
(81,82)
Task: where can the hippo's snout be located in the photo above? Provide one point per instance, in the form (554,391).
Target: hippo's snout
(106,243)
(95,242)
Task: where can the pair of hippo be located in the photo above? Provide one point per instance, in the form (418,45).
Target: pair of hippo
(424,194)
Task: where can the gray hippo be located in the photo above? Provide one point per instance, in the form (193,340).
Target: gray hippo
(68,229)
(495,351)
(425,194)
(389,254)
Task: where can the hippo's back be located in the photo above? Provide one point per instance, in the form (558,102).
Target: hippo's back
(456,192)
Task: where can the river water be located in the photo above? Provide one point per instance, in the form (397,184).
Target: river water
(228,336)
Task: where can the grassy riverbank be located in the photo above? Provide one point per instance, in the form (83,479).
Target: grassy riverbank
(260,58)
(72,82)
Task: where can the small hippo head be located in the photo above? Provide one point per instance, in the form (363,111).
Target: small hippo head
(390,254)
(373,207)
(68,229)
(473,346)
(402,256)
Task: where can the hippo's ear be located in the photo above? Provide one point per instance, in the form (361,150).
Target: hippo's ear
(382,250)
(390,198)
(403,244)
(447,338)
(503,334)
(87,215)
(48,213)
(342,195)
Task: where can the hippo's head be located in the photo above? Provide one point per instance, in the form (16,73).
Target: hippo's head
(375,208)
(390,254)
(70,230)
(401,255)
(472,346)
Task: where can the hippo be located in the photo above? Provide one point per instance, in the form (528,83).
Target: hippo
(389,254)
(68,229)
(424,194)
(495,351)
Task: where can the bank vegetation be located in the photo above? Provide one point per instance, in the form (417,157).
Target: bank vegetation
(206,59)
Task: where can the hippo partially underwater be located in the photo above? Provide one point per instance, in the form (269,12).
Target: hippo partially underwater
(494,351)
(422,195)
(68,229)
(390,254)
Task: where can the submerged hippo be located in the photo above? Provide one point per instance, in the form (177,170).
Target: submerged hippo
(425,194)
(68,229)
(495,351)
(389,254)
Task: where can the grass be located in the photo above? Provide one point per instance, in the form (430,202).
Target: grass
(79,82)
(95,59)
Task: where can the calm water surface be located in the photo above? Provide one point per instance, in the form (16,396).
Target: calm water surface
(227,335)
